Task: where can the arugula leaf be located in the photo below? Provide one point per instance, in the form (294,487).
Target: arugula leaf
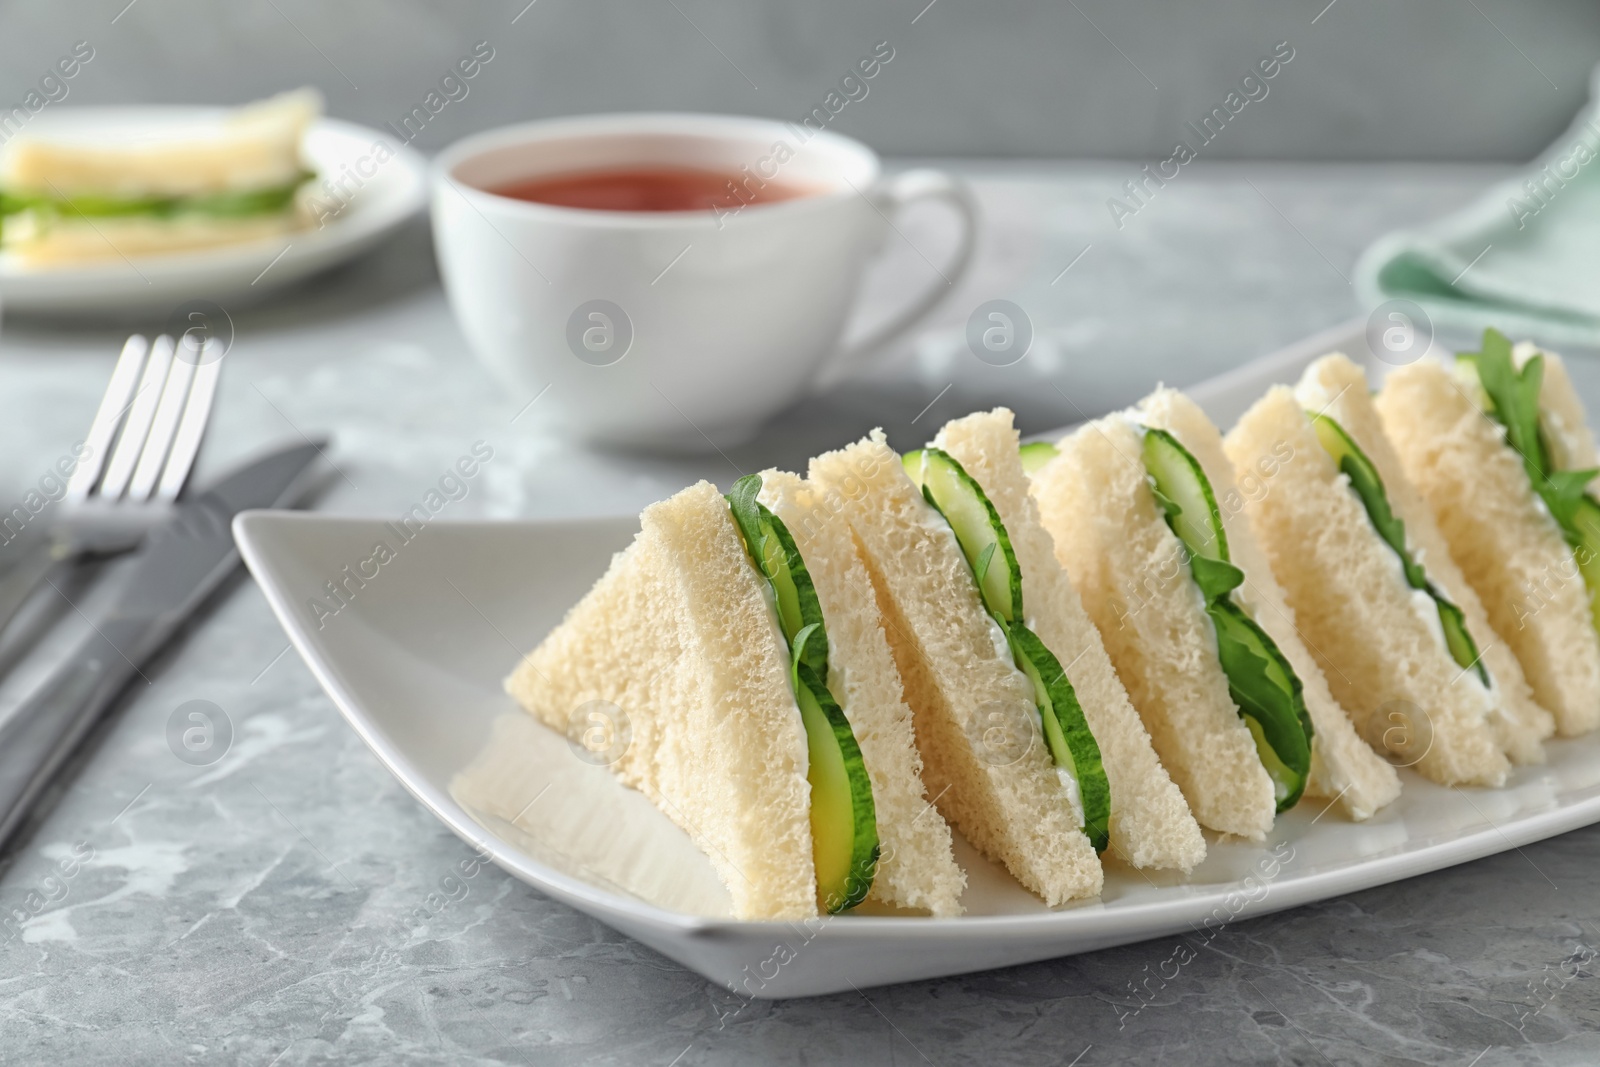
(1565,492)
(747,517)
(1514,399)
(1261,680)
(1169,507)
(1368,488)
(984,559)
(1216,578)
(1391,527)
(799,642)
(1514,404)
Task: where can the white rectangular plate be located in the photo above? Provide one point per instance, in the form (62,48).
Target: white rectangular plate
(414,661)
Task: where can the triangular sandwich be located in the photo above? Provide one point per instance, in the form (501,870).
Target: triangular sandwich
(764,712)
(1402,643)
(1502,453)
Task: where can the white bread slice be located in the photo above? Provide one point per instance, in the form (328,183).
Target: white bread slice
(48,242)
(679,636)
(1342,765)
(1499,531)
(1519,723)
(1377,640)
(252,147)
(1150,823)
(957,672)
(1132,573)
(1561,414)
(916,868)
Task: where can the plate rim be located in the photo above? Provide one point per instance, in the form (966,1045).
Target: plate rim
(28,291)
(1053,933)
(253,531)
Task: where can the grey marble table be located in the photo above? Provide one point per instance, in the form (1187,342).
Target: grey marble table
(290,903)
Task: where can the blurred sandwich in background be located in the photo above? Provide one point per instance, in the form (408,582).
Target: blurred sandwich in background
(87,192)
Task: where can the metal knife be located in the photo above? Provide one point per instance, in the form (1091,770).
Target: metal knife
(180,563)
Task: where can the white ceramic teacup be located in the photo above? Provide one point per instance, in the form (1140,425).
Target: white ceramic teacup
(672,328)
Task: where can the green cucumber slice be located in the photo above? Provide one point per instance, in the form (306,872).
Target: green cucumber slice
(956,495)
(844,826)
(1184,493)
(1066,731)
(773,549)
(229,204)
(959,498)
(1368,487)
(1037,454)
(912,462)
(1260,679)
(1513,402)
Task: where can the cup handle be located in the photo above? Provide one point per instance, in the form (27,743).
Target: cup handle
(893,197)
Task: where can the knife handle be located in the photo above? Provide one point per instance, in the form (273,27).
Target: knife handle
(35,562)
(37,738)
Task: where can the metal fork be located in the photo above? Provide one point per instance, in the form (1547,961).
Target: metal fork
(159,398)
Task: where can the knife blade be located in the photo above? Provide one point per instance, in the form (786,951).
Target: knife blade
(180,564)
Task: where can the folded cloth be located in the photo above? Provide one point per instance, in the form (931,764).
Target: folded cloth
(1525,258)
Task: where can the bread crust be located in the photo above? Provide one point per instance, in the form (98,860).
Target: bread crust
(678,635)
(916,867)
(958,676)
(1132,574)
(1342,765)
(1151,825)
(1508,548)
(1367,630)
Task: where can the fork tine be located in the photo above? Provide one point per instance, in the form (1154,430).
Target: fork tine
(113,405)
(137,425)
(196,413)
(165,423)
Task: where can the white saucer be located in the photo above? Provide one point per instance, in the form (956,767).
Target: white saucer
(232,274)
(414,661)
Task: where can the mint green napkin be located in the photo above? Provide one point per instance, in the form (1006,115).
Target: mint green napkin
(1525,258)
